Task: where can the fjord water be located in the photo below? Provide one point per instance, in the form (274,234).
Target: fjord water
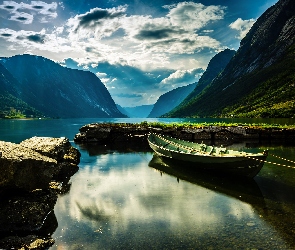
(127,199)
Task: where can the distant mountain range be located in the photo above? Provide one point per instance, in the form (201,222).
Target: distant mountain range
(175,97)
(52,90)
(136,112)
(170,100)
(259,79)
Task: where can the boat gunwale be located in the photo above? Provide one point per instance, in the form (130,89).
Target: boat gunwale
(204,154)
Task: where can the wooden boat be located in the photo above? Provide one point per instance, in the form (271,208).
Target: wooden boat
(201,156)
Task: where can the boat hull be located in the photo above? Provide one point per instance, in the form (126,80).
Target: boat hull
(248,166)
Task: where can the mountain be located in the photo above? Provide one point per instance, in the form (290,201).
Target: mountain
(9,103)
(58,91)
(259,80)
(215,66)
(181,96)
(137,112)
(170,100)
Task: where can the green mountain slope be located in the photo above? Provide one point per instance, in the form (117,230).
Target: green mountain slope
(58,91)
(259,79)
(10,105)
(170,100)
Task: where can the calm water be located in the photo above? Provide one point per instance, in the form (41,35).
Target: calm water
(128,199)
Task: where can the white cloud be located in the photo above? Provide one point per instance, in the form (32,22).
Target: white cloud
(243,26)
(193,16)
(111,35)
(19,11)
(182,77)
(31,40)
(22,17)
(97,22)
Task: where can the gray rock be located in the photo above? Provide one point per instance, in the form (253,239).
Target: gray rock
(24,168)
(28,189)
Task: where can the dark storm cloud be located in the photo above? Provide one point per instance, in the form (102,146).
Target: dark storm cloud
(6,35)
(38,7)
(156,34)
(9,7)
(95,16)
(36,38)
(89,49)
(21,18)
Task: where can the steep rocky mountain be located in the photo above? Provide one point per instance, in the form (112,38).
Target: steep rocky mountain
(137,111)
(9,103)
(58,91)
(182,96)
(259,79)
(170,100)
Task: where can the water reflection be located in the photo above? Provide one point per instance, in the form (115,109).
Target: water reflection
(117,201)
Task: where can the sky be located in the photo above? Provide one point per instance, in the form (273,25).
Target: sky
(139,49)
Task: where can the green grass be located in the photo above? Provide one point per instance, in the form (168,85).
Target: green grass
(220,124)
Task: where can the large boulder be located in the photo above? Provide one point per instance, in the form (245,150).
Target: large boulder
(59,149)
(32,174)
(24,168)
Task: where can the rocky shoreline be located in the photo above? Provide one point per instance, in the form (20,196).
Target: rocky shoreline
(33,173)
(110,133)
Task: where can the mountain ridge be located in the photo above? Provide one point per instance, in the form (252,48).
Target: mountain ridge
(251,84)
(58,91)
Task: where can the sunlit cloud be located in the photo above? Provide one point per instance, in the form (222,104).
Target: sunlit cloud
(136,38)
(97,22)
(18,11)
(180,38)
(243,26)
(194,16)
(182,77)
(100,196)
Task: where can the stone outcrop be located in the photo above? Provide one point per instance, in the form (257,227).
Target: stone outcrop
(35,162)
(32,174)
(137,133)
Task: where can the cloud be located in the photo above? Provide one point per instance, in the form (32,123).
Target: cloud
(136,39)
(19,11)
(156,34)
(22,17)
(126,95)
(101,21)
(16,36)
(181,78)
(37,38)
(31,40)
(194,16)
(164,46)
(243,26)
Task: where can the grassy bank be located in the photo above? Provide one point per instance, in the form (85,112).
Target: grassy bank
(220,124)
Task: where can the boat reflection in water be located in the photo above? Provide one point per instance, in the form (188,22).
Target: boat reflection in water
(271,200)
(244,189)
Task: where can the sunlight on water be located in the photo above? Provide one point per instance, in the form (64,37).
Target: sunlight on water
(119,202)
(128,200)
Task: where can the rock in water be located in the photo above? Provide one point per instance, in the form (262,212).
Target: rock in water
(29,172)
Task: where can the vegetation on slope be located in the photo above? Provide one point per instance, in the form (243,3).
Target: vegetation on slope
(259,80)
(267,92)
(12,107)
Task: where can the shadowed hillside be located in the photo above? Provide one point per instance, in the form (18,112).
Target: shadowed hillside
(259,80)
